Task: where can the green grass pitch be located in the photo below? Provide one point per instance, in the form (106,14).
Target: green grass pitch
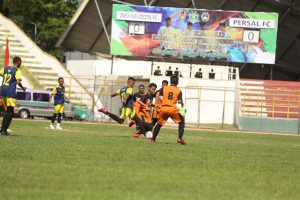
(93,161)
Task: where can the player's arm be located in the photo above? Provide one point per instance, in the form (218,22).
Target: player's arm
(140,101)
(2,72)
(50,98)
(180,101)
(18,77)
(51,95)
(158,93)
(21,86)
(115,93)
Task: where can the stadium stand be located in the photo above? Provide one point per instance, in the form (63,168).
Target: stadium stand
(40,69)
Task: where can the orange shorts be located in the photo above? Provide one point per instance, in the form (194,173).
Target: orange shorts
(166,112)
(144,114)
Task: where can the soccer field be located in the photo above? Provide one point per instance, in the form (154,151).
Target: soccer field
(90,161)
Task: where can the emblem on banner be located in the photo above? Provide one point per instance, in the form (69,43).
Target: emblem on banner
(194,17)
(205,16)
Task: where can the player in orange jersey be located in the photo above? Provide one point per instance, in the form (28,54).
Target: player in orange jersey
(168,109)
(136,103)
(158,103)
(144,110)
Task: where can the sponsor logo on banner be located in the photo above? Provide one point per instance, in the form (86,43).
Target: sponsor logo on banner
(194,17)
(205,17)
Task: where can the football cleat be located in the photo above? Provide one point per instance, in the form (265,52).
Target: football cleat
(136,135)
(5,133)
(52,126)
(180,141)
(58,127)
(103,110)
(152,141)
(131,123)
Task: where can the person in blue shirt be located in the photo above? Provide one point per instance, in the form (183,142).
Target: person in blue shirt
(12,77)
(59,102)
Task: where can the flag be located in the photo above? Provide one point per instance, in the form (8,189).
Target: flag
(6,58)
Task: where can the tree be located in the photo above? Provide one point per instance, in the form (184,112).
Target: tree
(49,18)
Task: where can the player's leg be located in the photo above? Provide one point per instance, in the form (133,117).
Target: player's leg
(139,124)
(154,121)
(7,119)
(179,119)
(120,119)
(181,130)
(154,117)
(8,115)
(148,125)
(162,119)
(156,131)
(60,115)
(55,115)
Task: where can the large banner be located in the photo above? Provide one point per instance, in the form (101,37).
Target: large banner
(214,35)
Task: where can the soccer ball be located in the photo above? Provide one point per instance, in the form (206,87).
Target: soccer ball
(149,134)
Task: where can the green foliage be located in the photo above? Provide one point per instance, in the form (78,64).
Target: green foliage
(51,18)
(93,161)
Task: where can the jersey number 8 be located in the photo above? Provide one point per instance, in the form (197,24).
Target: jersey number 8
(170,95)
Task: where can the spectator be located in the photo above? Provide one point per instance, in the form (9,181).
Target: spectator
(157,72)
(177,72)
(233,73)
(211,74)
(198,74)
(169,72)
(229,73)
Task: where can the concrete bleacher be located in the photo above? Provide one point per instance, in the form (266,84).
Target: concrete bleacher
(40,70)
(42,74)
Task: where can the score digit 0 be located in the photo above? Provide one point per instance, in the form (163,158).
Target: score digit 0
(137,28)
(251,36)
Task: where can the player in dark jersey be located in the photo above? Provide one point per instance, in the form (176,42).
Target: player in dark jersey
(126,95)
(168,109)
(158,102)
(143,113)
(136,104)
(59,103)
(11,78)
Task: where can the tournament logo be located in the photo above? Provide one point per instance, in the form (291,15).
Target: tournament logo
(205,16)
(193,17)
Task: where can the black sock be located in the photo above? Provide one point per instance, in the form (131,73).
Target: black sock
(141,123)
(116,118)
(156,131)
(154,120)
(181,127)
(138,124)
(53,118)
(7,118)
(59,118)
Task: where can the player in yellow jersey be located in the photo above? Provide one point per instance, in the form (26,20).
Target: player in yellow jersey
(12,77)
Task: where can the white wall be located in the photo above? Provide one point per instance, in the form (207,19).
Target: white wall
(204,99)
(131,68)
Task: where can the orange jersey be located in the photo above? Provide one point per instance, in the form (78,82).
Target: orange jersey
(136,104)
(171,94)
(143,111)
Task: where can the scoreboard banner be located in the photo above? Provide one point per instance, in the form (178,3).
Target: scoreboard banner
(214,35)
